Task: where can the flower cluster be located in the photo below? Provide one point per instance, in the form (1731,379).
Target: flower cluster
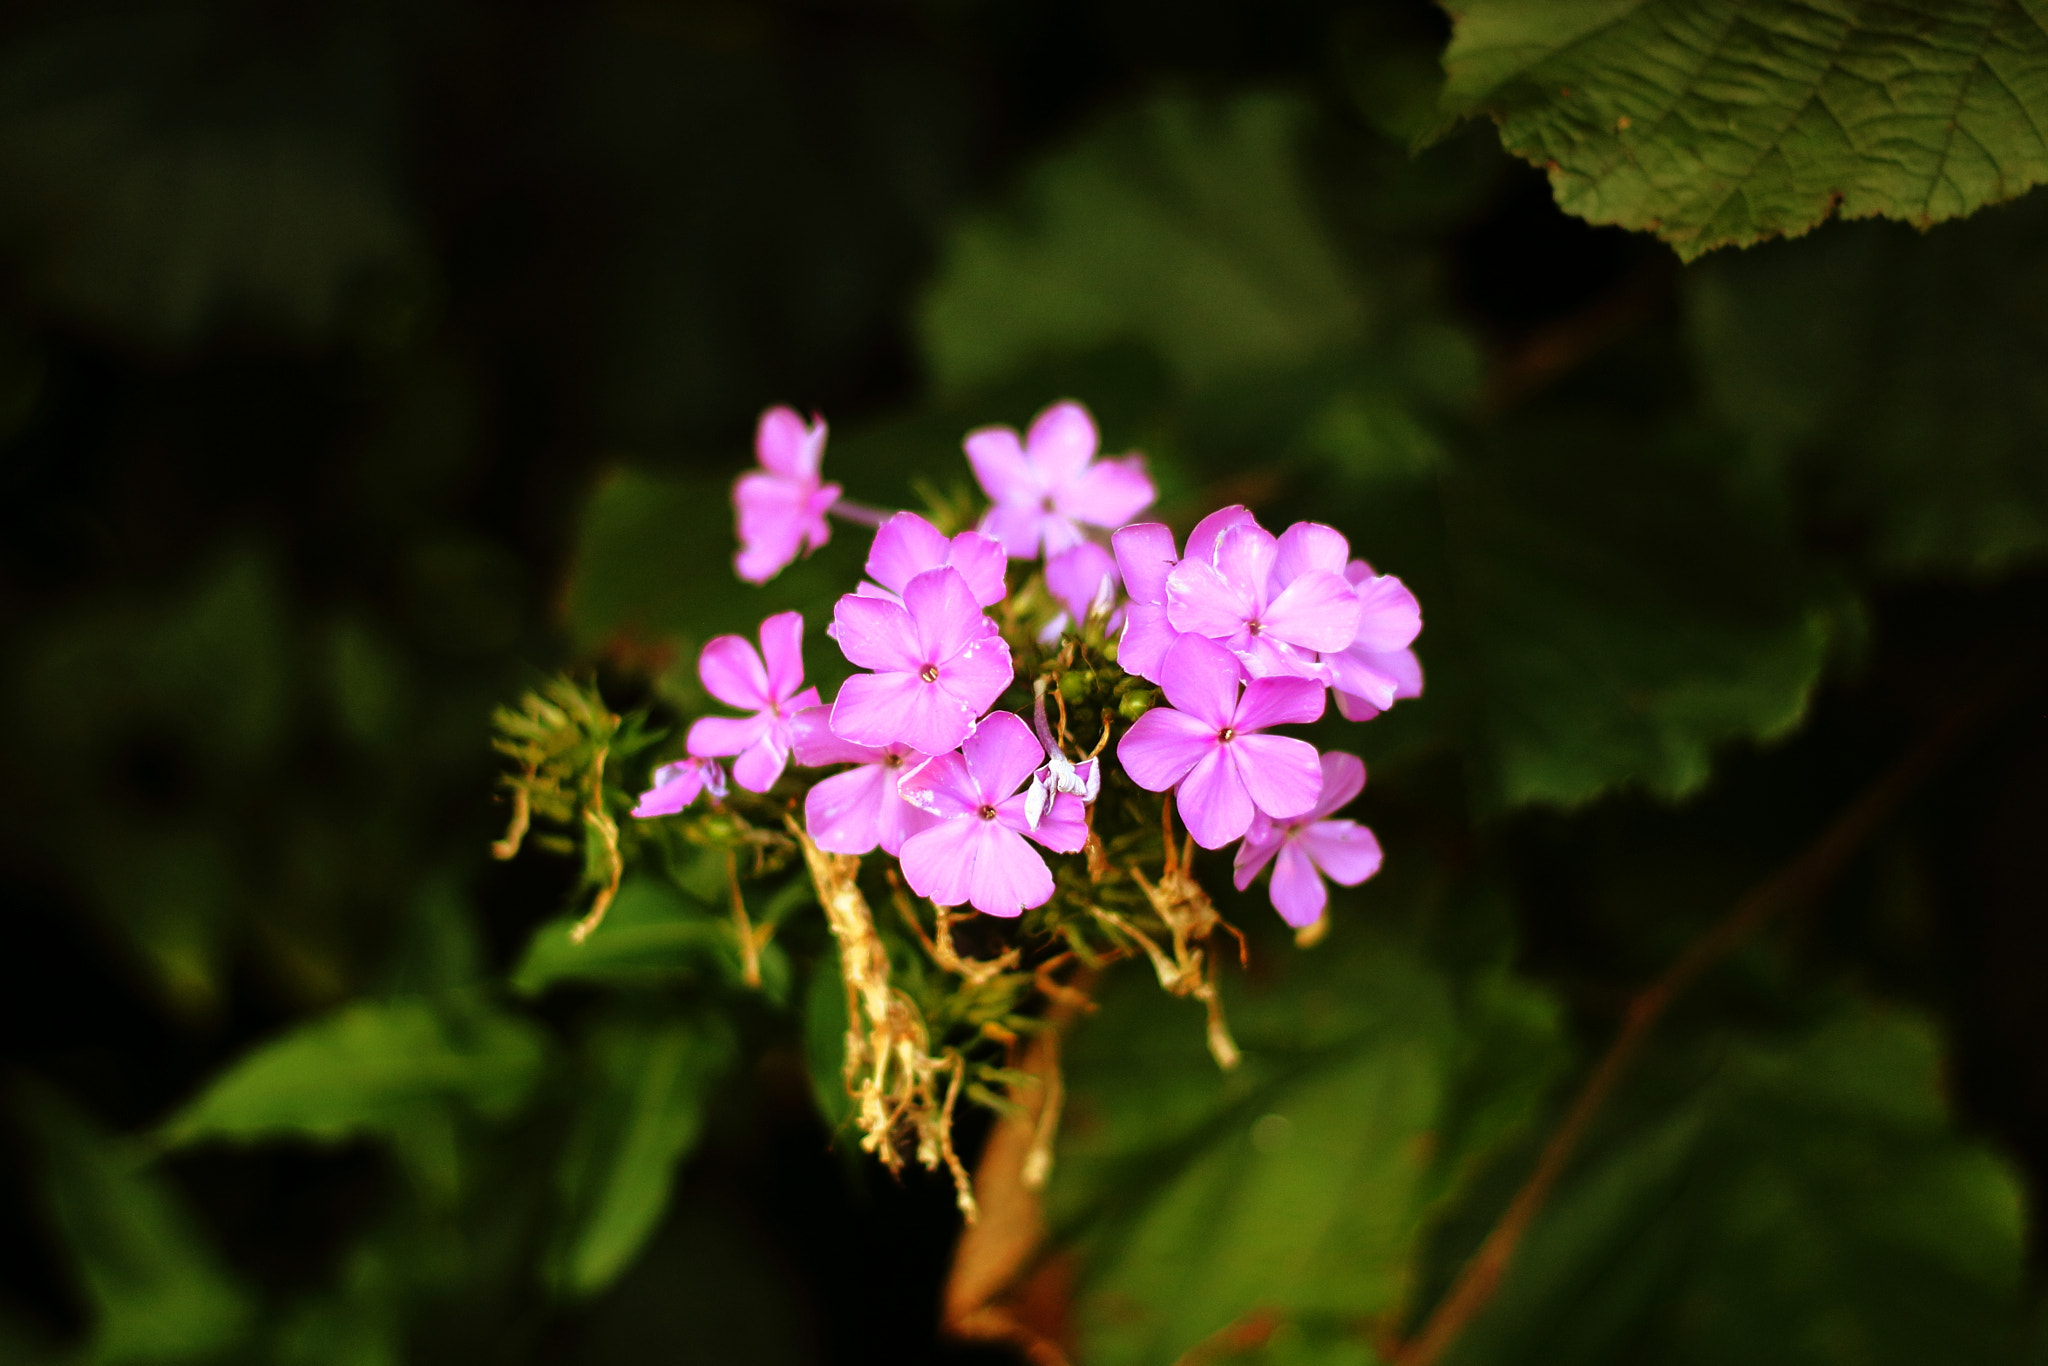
(1238,633)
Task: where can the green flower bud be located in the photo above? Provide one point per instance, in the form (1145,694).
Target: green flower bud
(1137,702)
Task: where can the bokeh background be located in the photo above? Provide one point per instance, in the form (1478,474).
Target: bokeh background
(362,362)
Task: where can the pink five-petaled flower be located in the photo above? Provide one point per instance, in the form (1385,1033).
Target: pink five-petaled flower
(676,785)
(1273,602)
(937,666)
(1378,666)
(976,852)
(852,812)
(1308,844)
(782,505)
(908,545)
(1045,486)
(1145,556)
(733,673)
(1209,743)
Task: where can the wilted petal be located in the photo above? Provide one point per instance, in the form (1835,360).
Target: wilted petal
(1061,442)
(1200,678)
(1298,894)
(905,547)
(1280,773)
(782,646)
(1318,611)
(1109,493)
(876,633)
(1213,803)
(1144,554)
(1345,850)
(1000,467)
(1277,702)
(1000,755)
(720,735)
(1162,745)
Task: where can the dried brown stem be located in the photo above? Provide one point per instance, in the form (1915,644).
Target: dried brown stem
(1797,882)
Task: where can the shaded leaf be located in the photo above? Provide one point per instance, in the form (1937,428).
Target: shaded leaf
(1726,121)
(651,934)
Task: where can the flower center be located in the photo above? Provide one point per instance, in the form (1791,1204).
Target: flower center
(893,760)
(1254,627)
(1227,734)
(929,673)
(987,812)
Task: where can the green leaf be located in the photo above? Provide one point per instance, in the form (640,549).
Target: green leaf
(158,1293)
(647,1086)
(1622,617)
(652,934)
(1182,225)
(1723,122)
(1809,1202)
(1895,379)
(1299,1184)
(376,1067)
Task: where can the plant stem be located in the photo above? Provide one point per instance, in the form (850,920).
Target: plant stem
(860,514)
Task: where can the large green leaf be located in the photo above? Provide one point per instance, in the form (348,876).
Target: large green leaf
(646,1085)
(1717,122)
(1808,1203)
(1901,380)
(373,1067)
(1184,225)
(652,934)
(1299,1184)
(157,1291)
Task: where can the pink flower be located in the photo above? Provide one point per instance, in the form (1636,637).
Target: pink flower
(937,666)
(1343,851)
(782,505)
(1046,486)
(1274,603)
(1377,667)
(854,811)
(1209,743)
(1082,578)
(976,853)
(676,785)
(908,545)
(1145,556)
(733,673)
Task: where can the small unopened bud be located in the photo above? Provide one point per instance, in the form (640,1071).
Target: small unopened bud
(1076,684)
(1136,703)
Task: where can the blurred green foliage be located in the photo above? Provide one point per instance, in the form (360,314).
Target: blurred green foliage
(360,362)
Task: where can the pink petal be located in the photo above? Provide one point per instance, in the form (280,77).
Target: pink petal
(784,444)
(1200,599)
(1202,540)
(1109,493)
(947,617)
(732,673)
(1277,702)
(1000,755)
(1018,527)
(1298,894)
(975,678)
(816,530)
(782,645)
(1261,841)
(1373,680)
(1345,850)
(1005,875)
(1318,611)
(843,813)
(1147,636)
(898,820)
(1200,678)
(893,708)
(1001,469)
(771,517)
(1214,805)
(719,735)
(1343,780)
(1144,554)
(1078,577)
(812,741)
(1162,745)
(876,633)
(1281,774)
(982,561)
(762,762)
(936,861)
(1059,533)
(943,788)
(1389,616)
(1265,657)
(1063,828)
(1061,442)
(675,787)
(905,547)
(1306,546)
(1244,555)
